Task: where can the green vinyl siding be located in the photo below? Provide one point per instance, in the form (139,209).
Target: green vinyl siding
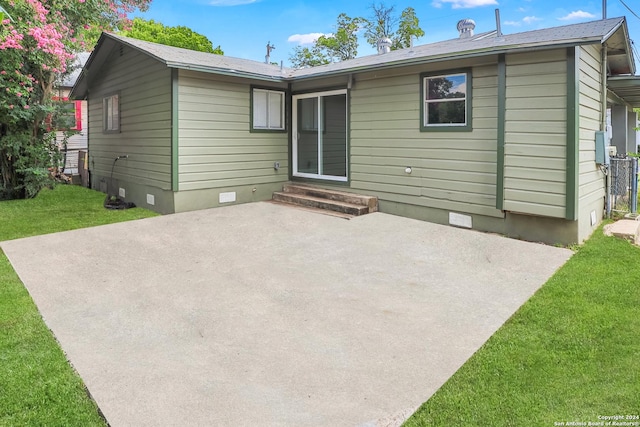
(144,88)
(217,148)
(535,133)
(453,171)
(591,190)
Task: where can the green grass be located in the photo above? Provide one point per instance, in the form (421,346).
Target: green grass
(571,353)
(68,207)
(37,385)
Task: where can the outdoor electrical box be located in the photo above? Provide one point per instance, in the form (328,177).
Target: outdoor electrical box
(602,152)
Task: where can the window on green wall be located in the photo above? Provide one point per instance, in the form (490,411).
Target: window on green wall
(446,101)
(111,114)
(268,110)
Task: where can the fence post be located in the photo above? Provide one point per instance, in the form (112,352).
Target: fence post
(634,185)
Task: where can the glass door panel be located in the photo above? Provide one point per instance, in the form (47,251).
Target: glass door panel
(308,136)
(320,136)
(334,136)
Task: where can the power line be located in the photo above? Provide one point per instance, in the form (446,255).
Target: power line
(635,51)
(629,9)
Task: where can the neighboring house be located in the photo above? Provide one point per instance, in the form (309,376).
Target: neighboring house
(77,115)
(496,132)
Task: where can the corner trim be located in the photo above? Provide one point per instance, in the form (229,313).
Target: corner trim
(175,131)
(502,114)
(573,121)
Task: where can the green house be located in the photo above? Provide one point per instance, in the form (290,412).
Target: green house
(495,132)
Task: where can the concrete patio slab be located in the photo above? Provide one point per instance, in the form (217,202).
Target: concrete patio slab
(262,314)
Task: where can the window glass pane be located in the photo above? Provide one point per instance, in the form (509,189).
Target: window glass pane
(116,113)
(447,87)
(259,109)
(275,110)
(67,119)
(308,114)
(449,112)
(108,121)
(307,138)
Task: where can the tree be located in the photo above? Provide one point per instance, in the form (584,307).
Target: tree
(381,24)
(179,36)
(384,24)
(340,46)
(343,44)
(38,42)
(304,57)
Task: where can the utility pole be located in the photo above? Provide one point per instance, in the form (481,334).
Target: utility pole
(604,9)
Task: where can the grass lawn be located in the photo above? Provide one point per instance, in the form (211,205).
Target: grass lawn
(37,384)
(571,353)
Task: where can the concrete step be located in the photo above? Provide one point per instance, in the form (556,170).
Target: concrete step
(371,202)
(314,210)
(320,203)
(627,229)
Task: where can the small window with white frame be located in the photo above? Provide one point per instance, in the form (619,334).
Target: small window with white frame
(446,100)
(111,112)
(268,110)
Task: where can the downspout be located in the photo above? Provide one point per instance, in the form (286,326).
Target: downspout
(603,113)
(603,126)
(175,133)
(573,132)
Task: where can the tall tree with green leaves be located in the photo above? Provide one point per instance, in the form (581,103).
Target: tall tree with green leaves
(384,23)
(39,40)
(339,46)
(179,36)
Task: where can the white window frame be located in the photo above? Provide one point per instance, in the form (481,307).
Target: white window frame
(426,101)
(320,122)
(111,113)
(269,93)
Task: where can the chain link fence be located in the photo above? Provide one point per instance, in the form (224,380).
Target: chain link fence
(623,193)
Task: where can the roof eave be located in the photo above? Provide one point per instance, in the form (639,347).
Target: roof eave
(627,88)
(81,87)
(226,72)
(622,26)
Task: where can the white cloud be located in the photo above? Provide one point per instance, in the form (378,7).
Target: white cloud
(512,23)
(578,14)
(231,2)
(464,4)
(530,19)
(304,38)
(522,9)
(462,87)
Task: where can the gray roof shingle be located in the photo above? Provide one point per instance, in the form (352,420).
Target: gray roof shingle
(176,57)
(594,31)
(70,79)
(487,43)
(481,44)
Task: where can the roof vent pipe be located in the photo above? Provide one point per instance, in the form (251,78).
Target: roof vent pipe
(267,58)
(384,45)
(466,27)
(498,27)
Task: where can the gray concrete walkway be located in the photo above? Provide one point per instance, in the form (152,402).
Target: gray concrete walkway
(261,314)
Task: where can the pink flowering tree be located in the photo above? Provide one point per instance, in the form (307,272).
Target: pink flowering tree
(38,41)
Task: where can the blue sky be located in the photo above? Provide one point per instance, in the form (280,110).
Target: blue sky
(243,27)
